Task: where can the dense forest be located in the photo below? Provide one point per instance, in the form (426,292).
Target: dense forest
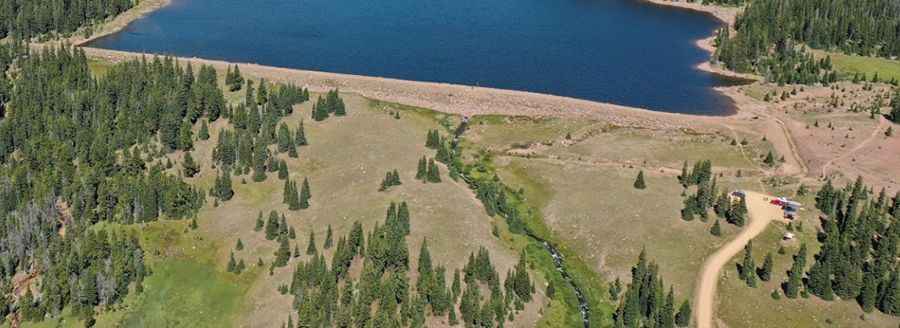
(858,258)
(25,19)
(769,32)
(76,150)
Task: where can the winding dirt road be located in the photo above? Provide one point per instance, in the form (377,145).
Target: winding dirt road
(760,214)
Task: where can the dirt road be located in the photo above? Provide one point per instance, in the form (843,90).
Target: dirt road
(878,131)
(760,213)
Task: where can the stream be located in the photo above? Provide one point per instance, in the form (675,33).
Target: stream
(558,259)
(559,262)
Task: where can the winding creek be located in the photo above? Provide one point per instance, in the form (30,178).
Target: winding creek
(559,262)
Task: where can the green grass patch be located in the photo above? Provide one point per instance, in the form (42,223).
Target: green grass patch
(852,64)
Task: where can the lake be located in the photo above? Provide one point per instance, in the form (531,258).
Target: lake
(625,52)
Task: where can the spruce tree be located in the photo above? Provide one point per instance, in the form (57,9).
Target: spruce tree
(282,170)
(770,159)
(311,247)
(239,246)
(639,181)
(748,266)
(422,169)
(683,317)
(433,175)
(765,273)
(328,239)
(232,264)
(301,135)
(283,254)
(204,131)
(305,194)
(190,166)
(222,187)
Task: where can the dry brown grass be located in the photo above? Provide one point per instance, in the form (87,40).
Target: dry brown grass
(345,162)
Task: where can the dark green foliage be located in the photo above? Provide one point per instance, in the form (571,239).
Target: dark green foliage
(683,318)
(283,170)
(222,187)
(305,194)
(738,214)
(765,272)
(239,246)
(859,248)
(795,276)
(391,178)
(331,104)
(433,174)
(283,253)
(259,223)
(433,139)
(328,239)
(232,264)
(301,136)
(191,168)
(645,302)
(24,19)
(422,169)
(639,181)
(748,266)
(311,246)
(233,79)
(769,31)
(204,131)
(770,159)
(382,295)
(291,197)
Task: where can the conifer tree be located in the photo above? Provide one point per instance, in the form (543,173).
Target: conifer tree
(748,266)
(639,182)
(190,166)
(433,175)
(765,273)
(283,254)
(305,194)
(683,317)
(328,238)
(260,157)
(222,187)
(301,135)
(204,131)
(282,170)
(311,247)
(259,223)
(239,246)
(232,264)
(185,137)
(422,169)
(770,159)
(795,280)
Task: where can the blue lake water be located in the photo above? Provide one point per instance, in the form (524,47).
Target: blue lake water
(620,51)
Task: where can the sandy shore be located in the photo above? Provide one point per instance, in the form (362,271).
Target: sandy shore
(727,16)
(448,98)
(143,8)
